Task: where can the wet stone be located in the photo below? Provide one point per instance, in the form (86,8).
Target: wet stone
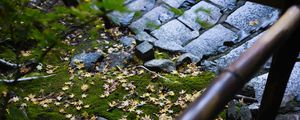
(227,4)
(119,59)
(88,59)
(252,16)
(145,51)
(201,14)
(210,41)
(143,36)
(169,46)
(230,57)
(175,31)
(187,57)
(245,113)
(174,3)
(187,4)
(160,65)
(124,18)
(291,91)
(152,20)
(232,112)
(127,41)
(291,116)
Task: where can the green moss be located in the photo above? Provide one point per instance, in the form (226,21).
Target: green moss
(205,10)
(152,25)
(99,106)
(137,15)
(161,55)
(177,11)
(203,24)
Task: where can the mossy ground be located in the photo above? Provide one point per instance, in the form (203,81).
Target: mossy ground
(44,87)
(99,106)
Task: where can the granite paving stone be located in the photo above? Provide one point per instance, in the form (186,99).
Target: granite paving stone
(233,55)
(124,18)
(202,13)
(291,91)
(170,46)
(153,19)
(143,36)
(252,16)
(175,31)
(174,3)
(211,41)
(227,4)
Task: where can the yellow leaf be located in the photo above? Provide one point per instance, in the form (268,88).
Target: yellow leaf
(84,87)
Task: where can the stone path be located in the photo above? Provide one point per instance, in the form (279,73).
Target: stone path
(205,28)
(215,32)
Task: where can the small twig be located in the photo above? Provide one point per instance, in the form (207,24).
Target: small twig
(26,79)
(245,98)
(141,66)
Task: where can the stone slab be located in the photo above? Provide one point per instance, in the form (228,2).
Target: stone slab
(252,16)
(143,36)
(211,41)
(153,19)
(175,31)
(291,91)
(230,57)
(227,4)
(124,18)
(201,13)
(174,3)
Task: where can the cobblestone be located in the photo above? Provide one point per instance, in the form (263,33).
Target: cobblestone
(201,14)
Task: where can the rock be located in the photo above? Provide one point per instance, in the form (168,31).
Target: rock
(203,12)
(299,57)
(210,41)
(160,65)
(226,60)
(232,113)
(187,57)
(101,118)
(175,31)
(291,116)
(170,46)
(297,99)
(254,106)
(248,91)
(127,41)
(118,59)
(291,91)
(227,4)
(145,51)
(152,20)
(124,18)
(174,3)
(143,36)
(88,59)
(245,113)
(252,16)
(121,18)
(187,4)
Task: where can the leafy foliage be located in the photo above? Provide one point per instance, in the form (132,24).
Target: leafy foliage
(25,27)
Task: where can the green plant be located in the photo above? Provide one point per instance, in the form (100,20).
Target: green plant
(25,28)
(204,24)
(205,10)
(177,11)
(152,25)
